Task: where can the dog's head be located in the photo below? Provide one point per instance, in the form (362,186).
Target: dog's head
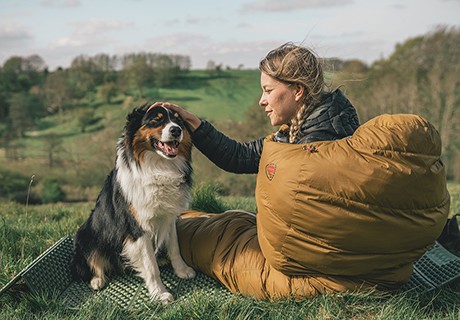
(157,129)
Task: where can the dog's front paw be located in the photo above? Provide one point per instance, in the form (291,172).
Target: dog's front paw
(185,272)
(97,283)
(159,293)
(165,297)
(162,296)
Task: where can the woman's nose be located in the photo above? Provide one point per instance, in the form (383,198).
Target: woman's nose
(262,101)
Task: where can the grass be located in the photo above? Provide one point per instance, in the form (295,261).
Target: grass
(25,235)
(454,190)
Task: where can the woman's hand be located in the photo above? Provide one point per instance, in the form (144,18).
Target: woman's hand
(191,120)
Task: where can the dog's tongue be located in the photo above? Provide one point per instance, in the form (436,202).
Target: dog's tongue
(170,148)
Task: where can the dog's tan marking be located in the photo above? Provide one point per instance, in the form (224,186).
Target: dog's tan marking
(99,266)
(141,141)
(134,213)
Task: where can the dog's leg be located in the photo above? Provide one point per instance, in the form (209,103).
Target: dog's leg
(98,265)
(181,269)
(141,255)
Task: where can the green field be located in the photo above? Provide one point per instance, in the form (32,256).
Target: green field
(25,232)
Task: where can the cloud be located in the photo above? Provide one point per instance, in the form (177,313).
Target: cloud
(177,40)
(13,36)
(203,48)
(191,20)
(291,5)
(95,26)
(60,3)
(67,42)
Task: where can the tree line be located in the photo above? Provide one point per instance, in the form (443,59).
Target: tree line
(28,90)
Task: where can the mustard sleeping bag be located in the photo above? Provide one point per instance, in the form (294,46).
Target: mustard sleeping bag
(331,216)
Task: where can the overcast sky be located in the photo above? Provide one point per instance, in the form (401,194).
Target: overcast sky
(231,32)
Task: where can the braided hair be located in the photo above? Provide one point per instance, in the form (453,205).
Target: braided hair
(294,64)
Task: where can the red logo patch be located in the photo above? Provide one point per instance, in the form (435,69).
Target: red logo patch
(270,170)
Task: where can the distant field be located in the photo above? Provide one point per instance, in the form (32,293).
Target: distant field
(217,98)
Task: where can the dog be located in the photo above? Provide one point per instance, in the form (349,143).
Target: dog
(135,213)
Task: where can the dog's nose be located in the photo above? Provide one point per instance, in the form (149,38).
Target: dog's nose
(175,131)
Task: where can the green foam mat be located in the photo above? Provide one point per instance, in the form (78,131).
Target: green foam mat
(49,274)
(434,269)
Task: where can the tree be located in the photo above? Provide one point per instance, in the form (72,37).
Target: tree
(137,71)
(24,109)
(19,74)
(211,68)
(85,118)
(4,107)
(164,71)
(107,91)
(11,70)
(53,145)
(56,90)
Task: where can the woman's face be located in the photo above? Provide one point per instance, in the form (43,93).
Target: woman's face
(280,101)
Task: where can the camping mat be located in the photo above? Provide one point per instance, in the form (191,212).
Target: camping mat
(434,269)
(49,274)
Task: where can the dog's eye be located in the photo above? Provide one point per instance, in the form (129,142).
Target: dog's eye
(178,119)
(157,119)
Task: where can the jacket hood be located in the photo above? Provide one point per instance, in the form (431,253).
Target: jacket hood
(334,118)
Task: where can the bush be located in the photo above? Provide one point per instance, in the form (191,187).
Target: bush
(25,196)
(12,183)
(51,191)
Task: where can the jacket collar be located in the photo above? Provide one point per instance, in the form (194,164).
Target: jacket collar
(325,121)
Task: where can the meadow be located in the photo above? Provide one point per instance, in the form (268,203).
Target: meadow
(27,231)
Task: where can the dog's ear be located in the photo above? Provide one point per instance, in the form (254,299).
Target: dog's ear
(145,107)
(137,112)
(134,119)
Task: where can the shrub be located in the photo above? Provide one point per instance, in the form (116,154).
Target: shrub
(51,191)
(12,183)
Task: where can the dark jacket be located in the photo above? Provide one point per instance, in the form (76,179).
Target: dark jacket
(333,119)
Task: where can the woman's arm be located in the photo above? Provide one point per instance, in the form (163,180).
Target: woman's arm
(228,154)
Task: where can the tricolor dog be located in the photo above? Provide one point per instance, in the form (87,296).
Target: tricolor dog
(135,213)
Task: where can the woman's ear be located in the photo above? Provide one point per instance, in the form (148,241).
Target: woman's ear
(299,92)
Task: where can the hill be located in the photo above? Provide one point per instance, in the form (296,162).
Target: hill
(59,148)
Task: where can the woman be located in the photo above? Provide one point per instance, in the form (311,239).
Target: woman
(335,213)
(294,94)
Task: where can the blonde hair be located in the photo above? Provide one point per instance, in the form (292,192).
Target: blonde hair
(294,64)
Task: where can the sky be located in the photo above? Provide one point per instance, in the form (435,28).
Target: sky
(230,32)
